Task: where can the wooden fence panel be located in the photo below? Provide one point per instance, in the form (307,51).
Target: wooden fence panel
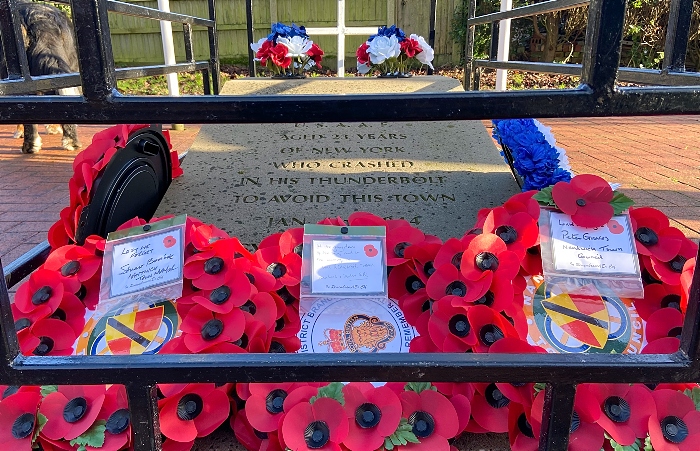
(137,40)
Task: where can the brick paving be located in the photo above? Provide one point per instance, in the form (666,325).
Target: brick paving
(655,158)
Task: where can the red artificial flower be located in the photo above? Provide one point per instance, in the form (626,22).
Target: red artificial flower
(463,407)
(399,239)
(686,281)
(251,438)
(404,281)
(58,235)
(586,199)
(451,252)
(520,434)
(265,52)
(74,261)
(175,164)
(487,257)
(676,425)
(520,393)
(278,56)
(373,414)
(337,221)
(286,269)
(417,308)
(410,47)
(423,343)
(626,409)
(523,202)
(670,272)
(282,345)
(447,281)
(665,345)
(47,337)
(43,292)
(259,277)
(361,53)
(194,412)
(433,419)
(519,230)
(233,293)
(289,324)
(316,54)
(89,293)
(532,262)
(658,296)
(321,425)
(265,406)
(449,327)
(653,234)
(115,413)
(210,269)
(172,445)
(71,311)
(490,408)
(202,236)
(18,420)
(666,322)
(423,256)
(489,327)
(291,241)
(71,410)
(203,328)
(263,307)
(363,218)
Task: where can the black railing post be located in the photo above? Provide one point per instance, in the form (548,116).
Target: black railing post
(468,82)
(690,336)
(601,56)
(187,34)
(251,38)
(94,48)
(677,35)
(9,347)
(556,417)
(12,42)
(214,66)
(493,45)
(431,32)
(143,408)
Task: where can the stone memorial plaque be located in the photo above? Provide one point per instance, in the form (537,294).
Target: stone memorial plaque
(256,179)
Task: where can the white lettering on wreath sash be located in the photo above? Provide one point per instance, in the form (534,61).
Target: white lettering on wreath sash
(347,266)
(600,250)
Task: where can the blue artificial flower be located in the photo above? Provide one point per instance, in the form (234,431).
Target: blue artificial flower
(388,32)
(278,29)
(297,30)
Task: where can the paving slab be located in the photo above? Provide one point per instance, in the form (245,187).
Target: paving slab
(254,180)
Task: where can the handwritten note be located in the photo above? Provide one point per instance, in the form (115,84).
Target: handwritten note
(143,262)
(348,266)
(604,250)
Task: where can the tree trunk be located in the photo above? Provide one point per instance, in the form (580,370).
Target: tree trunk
(550,44)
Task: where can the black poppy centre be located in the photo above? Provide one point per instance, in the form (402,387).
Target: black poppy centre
(368,415)
(507,233)
(242,342)
(277,270)
(274,401)
(524,426)
(429,269)
(214,265)
(42,295)
(575,423)
(677,263)
(44,347)
(413,284)
(277,348)
(249,307)
(220,295)
(459,326)
(646,236)
(674,429)
(22,323)
(490,334)
(617,409)
(672,301)
(118,422)
(486,299)
(581,202)
(23,426)
(75,409)
(212,329)
(189,407)
(456,288)
(423,424)
(457,260)
(495,397)
(486,261)
(71,268)
(317,434)
(400,248)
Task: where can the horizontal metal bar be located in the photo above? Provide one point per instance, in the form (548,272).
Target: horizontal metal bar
(346,31)
(151,13)
(26,264)
(527,11)
(147,71)
(626,74)
(553,368)
(249,109)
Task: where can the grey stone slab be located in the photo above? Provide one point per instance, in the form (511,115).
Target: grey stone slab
(254,180)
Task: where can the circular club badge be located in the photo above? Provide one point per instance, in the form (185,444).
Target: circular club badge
(355,325)
(581,321)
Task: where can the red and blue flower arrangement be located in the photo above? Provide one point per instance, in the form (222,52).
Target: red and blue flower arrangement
(462,295)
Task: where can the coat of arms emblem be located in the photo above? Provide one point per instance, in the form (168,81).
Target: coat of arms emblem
(361,333)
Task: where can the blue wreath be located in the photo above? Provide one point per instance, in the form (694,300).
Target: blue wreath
(533,159)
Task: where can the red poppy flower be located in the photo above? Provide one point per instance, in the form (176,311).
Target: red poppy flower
(451,252)
(172,445)
(259,277)
(615,227)
(658,296)
(417,308)
(57,235)
(373,414)
(520,434)
(449,327)
(523,202)
(300,393)
(447,281)
(251,438)
(585,434)
(289,324)
(201,235)
(670,272)
(586,199)
(519,231)
(18,420)
(666,322)
(278,55)
(203,328)
(194,412)
(653,234)
(665,345)
(210,269)
(74,261)
(262,307)
(404,281)
(321,425)
(337,221)
(463,407)
(433,418)
(286,269)
(423,256)
(71,410)
(265,406)
(115,413)
(363,218)
(48,337)
(676,425)
(488,257)
(489,327)
(532,261)
(43,292)
(686,281)
(89,292)
(361,53)
(521,393)
(626,409)
(71,311)
(291,241)
(175,164)
(233,293)
(490,408)
(398,239)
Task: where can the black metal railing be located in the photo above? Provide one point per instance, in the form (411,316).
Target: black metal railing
(672,72)
(596,96)
(21,82)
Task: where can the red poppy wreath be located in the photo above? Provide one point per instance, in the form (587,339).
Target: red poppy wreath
(463,295)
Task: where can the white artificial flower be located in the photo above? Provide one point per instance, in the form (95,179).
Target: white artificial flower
(427,54)
(363,68)
(549,137)
(255,46)
(296,46)
(382,48)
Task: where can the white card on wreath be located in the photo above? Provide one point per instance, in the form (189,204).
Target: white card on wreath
(347,266)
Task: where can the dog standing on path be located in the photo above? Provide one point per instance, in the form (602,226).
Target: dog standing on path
(51,49)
